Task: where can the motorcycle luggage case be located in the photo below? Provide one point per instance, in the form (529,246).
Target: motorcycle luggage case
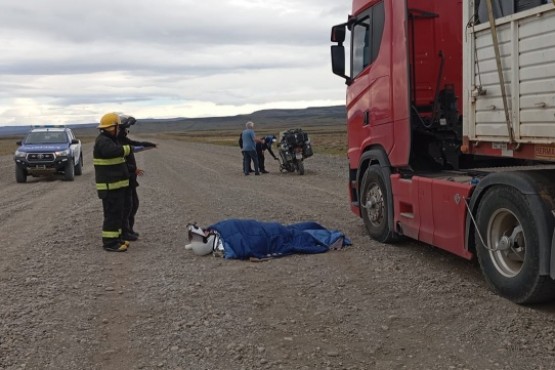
(307,150)
(295,137)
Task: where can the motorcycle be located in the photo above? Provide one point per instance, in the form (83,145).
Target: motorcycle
(294,148)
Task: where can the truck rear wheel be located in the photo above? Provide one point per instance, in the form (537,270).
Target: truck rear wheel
(20,174)
(510,261)
(374,197)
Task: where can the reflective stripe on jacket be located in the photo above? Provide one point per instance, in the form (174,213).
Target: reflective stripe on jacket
(113,185)
(110,169)
(108,162)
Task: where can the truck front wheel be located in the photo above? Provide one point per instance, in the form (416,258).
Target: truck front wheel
(20,174)
(69,171)
(374,198)
(78,170)
(510,259)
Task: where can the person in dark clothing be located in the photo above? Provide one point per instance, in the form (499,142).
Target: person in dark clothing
(265,144)
(131,198)
(112,180)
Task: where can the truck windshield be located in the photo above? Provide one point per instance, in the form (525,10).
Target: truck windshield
(46,137)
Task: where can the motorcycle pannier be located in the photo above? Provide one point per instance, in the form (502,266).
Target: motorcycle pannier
(307,150)
(296,137)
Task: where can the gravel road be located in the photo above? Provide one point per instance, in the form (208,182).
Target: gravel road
(67,304)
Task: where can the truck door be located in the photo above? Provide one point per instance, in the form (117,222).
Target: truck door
(378,91)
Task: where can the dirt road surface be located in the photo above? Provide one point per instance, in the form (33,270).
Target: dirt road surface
(68,304)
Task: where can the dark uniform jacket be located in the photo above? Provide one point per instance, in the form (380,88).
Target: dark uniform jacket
(110,168)
(130,159)
(261,147)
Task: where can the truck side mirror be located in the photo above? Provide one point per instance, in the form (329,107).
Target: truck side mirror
(338,33)
(18,142)
(338,62)
(75,141)
(338,51)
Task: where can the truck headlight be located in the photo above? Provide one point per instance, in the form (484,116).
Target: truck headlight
(63,153)
(20,154)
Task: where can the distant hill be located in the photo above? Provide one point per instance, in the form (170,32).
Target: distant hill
(269,118)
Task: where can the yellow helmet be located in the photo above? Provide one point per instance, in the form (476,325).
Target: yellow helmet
(109,120)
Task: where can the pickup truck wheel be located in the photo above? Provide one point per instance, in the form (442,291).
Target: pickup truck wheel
(20,174)
(510,260)
(79,166)
(69,171)
(374,196)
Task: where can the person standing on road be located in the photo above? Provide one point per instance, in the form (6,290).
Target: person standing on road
(241,146)
(131,200)
(112,179)
(249,149)
(265,144)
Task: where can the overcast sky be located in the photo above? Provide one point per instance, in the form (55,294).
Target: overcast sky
(70,61)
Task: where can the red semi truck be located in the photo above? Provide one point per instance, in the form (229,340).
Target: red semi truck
(451,131)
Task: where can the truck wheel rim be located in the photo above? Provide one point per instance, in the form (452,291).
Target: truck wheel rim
(374,204)
(506,242)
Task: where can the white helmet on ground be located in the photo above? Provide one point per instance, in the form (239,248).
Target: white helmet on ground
(194,234)
(203,242)
(201,249)
(213,244)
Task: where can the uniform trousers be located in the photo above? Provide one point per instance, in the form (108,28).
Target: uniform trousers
(130,207)
(112,203)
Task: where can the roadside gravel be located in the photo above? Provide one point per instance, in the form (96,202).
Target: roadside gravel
(67,304)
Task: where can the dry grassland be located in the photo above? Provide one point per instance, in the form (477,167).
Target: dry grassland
(325,140)
(8,145)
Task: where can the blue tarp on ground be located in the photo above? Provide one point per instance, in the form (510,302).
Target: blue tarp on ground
(243,239)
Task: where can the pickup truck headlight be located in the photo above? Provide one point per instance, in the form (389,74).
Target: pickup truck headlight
(20,154)
(63,153)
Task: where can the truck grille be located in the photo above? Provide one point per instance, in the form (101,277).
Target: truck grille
(40,157)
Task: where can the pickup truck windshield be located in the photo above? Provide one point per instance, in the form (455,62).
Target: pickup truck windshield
(46,138)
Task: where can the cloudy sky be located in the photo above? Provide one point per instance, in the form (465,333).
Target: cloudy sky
(70,61)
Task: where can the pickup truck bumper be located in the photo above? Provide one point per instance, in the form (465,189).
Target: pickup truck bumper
(37,167)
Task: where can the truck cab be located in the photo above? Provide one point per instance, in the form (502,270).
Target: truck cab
(450,124)
(46,151)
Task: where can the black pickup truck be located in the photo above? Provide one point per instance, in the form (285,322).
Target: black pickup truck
(45,151)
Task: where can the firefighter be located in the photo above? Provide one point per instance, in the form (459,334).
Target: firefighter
(131,202)
(112,180)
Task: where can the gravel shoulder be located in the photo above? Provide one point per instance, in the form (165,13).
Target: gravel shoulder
(67,304)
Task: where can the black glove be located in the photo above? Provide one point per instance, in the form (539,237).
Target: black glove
(148,144)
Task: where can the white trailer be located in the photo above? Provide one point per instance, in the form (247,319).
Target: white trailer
(518,51)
